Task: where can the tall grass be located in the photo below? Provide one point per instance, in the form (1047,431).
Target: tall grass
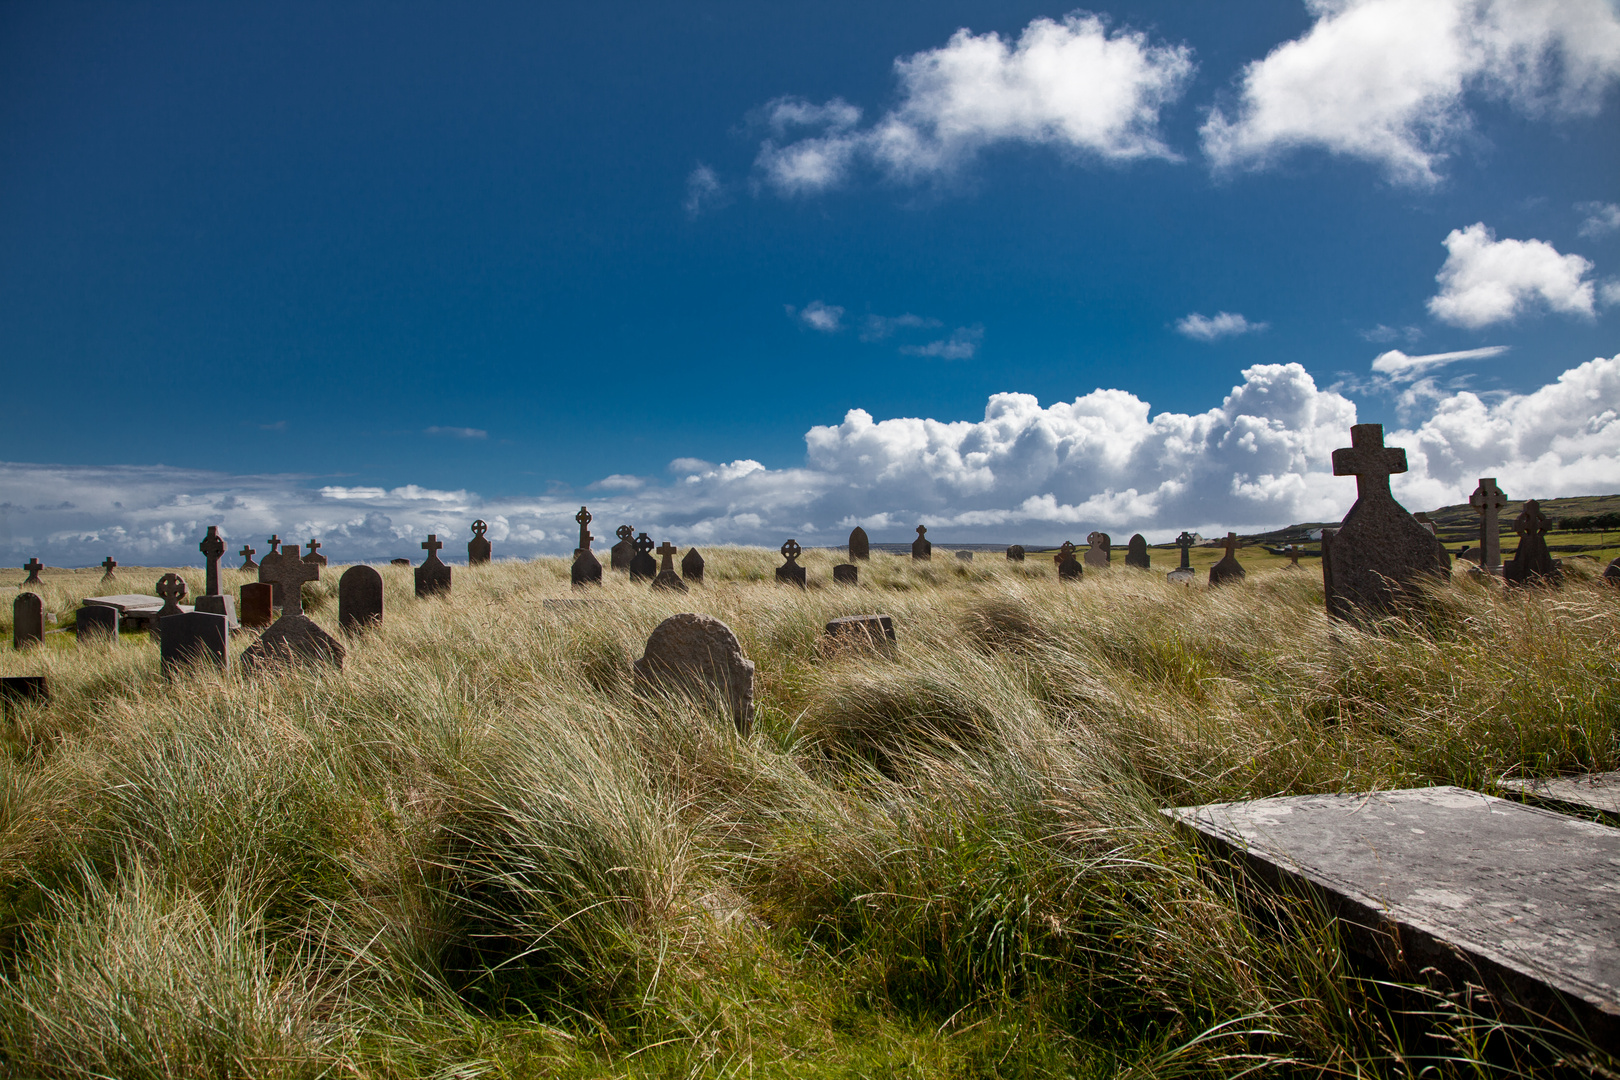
(480,850)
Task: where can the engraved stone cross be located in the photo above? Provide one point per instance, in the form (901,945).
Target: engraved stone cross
(668,551)
(1185,542)
(247,554)
(1369,461)
(1231,537)
(33,566)
(1531,521)
(644,543)
(275,545)
(212,547)
(314,551)
(585,537)
(172,587)
(624,532)
(432,545)
(791,550)
(291,574)
(1488,501)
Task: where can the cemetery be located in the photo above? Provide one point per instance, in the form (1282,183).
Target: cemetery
(1342,805)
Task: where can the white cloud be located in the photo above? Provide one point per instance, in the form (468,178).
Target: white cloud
(1070,85)
(1222,324)
(1609,291)
(703,191)
(1402,368)
(457,432)
(1388,81)
(1601,218)
(963,344)
(1486,280)
(879,327)
(828,318)
(1383,335)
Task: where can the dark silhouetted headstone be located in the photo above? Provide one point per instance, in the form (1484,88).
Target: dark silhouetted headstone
(964,556)
(293,640)
(433,576)
(859,546)
(1101,550)
(862,631)
(1015,553)
(790,572)
(218,605)
(643,567)
(847,574)
(314,554)
(586,568)
(193,637)
(1068,567)
(271,558)
(258,603)
(1228,571)
(1293,556)
(399,562)
(698,655)
(33,566)
(24,688)
(1532,563)
(93,621)
(668,580)
(1423,519)
(1611,574)
(692,566)
(620,555)
(1488,502)
(287,575)
(247,554)
(1183,574)
(1136,553)
(360,599)
(27,620)
(478,549)
(213,549)
(921,549)
(171,588)
(109,564)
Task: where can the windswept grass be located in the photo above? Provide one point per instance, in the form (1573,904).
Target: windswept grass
(477,850)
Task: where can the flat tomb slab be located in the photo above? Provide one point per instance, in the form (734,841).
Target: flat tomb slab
(132,602)
(1595,791)
(1472,885)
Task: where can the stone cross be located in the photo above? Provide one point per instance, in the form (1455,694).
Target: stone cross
(172,587)
(33,566)
(432,545)
(1293,556)
(1488,501)
(922,548)
(620,554)
(642,566)
(1185,542)
(790,572)
(1369,461)
(290,574)
(1068,567)
(478,548)
(275,545)
(667,552)
(314,555)
(108,564)
(247,554)
(212,547)
(1229,569)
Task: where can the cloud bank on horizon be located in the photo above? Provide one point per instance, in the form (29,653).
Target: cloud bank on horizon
(1024,473)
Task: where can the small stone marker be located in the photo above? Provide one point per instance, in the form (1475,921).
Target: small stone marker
(621,554)
(270,560)
(1136,553)
(699,655)
(478,548)
(135,611)
(193,637)
(433,576)
(1293,556)
(921,549)
(293,639)
(1015,553)
(790,572)
(360,599)
(668,580)
(24,688)
(1591,793)
(93,621)
(847,574)
(862,631)
(964,556)
(586,568)
(1101,551)
(1488,502)
(212,548)
(171,588)
(109,564)
(399,562)
(27,620)
(314,554)
(258,603)
(1611,573)
(859,546)
(1068,567)
(288,575)
(692,566)
(1380,552)
(643,567)
(1228,571)
(33,566)
(1532,563)
(247,554)
(1465,883)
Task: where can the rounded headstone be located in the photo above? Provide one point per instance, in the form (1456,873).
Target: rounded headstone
(859,546)
(1015,553)
(360,598)
(1136,554)
(27,620)
(699,655)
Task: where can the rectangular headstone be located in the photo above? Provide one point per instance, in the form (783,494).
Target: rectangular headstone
(219,604)
(24,688)
(194,637)
(862,630)
(258,599)
(96,622)
(1468,884)
(27,620)
(1594,792)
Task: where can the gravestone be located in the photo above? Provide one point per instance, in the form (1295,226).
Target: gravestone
(18,688)
(921,549)
(1591,793)
(171,588)
(1480,889)
(1068,567)
(478,549)
(1532,563)
(1488,502)
(288,575)
(1015,553)
(247,554)
(258,603)
(213,549)
(1183,574)
(272,558)
(1293,556)
(859,546)
(27,620)
(95,621)
(698,655)
(621,554)
(433,576)
(643,567)
(586,568)
(1228,571)
(790,572)
(1422,519)
(135,611)
(193,637)
(692,566)
(360,599)
(668,580)
(1136,553)
(862,631)
(33,566)
(109,564)
(399,562)
(1101,550)
(293,640)
(1611,573)
(847,574)
(1380,551)
(314,554)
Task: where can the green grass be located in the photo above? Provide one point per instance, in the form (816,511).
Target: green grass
(478,851)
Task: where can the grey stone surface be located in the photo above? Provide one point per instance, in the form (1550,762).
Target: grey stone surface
(1380,553)
(1182,575)
(1015,553)
(33,566)
(692,566)
(247,554)
(1598,792)
(668,580)
(27,620)
(25,688)
(478,548)
(271,559)
(109,564)
(219,605)
(1422,519)
(964,556)
(859,546)
(213,549)
(94,622)
(643,567)
(1532,563)
(1465,883)
(862,631)
(360,599)
(1228,571)
(1068,567)
(790,572)
(700,656)
(847,574)
(258,604)
(193,638)
(135,611)
(1488,502)
(287,576)
(1100,551)
(172,588)
(620,554)
(293,640)
(433,576)
(921,549)
(1136,553)
(313,555)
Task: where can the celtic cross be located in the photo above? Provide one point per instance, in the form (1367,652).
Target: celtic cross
(668,551)
(1369,461)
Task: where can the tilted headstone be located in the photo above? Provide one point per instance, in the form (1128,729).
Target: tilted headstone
(109,564)
(193,637)
(1136,553)
(862,631)
(1068,567)
(692,566)
(643,567)
(790,572)
(1015,553)
(586,568)
(921,549)
(621,554)
(700,656)
(847,574)
(859,546)
(1488,502)
(95,622)
(965,556)
(478,548)
(1380,552)
(33,566)
(247,554)
(1612,573)
(258,604)
(271,559)
(171,589)
(1532,562)
(288,574)
(1228,571)
(1101,550)
(294,639)
(668,580)
(360,599)
(27,620)
(433,576)
(314,554)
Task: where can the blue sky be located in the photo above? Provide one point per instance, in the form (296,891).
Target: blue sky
(735,272)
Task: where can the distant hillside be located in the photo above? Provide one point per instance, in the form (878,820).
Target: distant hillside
(1459,524)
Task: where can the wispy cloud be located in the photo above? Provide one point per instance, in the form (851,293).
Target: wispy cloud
(279,425)
(704,191)
(457,432)
(1213,327)
(1383,335)
(827,318)
(882,327)
(1602,218)
(963,344)
(1402,368)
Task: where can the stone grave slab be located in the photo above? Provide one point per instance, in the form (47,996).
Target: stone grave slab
(790,572)
(862,631)
(847,574)
(1015,553)
(965,556)
(620,554)
(433,576)
(27,620)
(360,599)
(860,547)
(643,567)
(193,638)
(921,548)
(25,688)
(135,611)
(1182,575)
(1136,553)
(96,622)
(258,604)
(668,580)
(294,640)
(1101,549)
(478,548)
(1228,571)
(692,566)
(1468,884)
(399,562)
(1599,792)
(699,655)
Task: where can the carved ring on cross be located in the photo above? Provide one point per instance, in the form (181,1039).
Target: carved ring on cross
(644,543)
(480,527)
(791,550)
(624,532)
(584,516)
(1067,550)
(172,587)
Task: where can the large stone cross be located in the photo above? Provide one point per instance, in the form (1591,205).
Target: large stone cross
(791,550)
(291,574)
(1531,521)
(108,564)
(480,527)
(585,537)
(33,566)
(1231,537)
(432,545)
(275,545)
(1488,500)
(644,543)
(212,547)
(247,554)
(1369,461)
(668,551)
(1185,542)
(172,588)
(624,532)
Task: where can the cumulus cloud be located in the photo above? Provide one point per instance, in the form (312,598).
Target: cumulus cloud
(1402,368)
(1486,280)
(457,432)
(1221,324)
(828,318)
(1388,81)
(1601,218)
(1071,85)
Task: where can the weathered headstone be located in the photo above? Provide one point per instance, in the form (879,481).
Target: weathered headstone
(258,603)
(24,688)
(790,572)
(135,611)
(700,656)
(1422,519)
(478,548)
(95,622)
(288,574)
(692,566)
(668,580)
(171,588)
(621,554)
(399,562)
(1185,542)
(847,574)
(964,556)
(27,620)
(270,560)
(294,639)
(433,576)
(1380,552)
(1611,573)
(586,568)
(1068,567)
(109,564)
(33,566)
(1293,556)
(921,549)
(193,637)
(1101,550)
(1228,571)
(360,599)
(643,567)
(1136,553)
(247,554)
(212,600)
(862,631)
(314,554)
(859,546)
(1015,553)
(1532,563)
